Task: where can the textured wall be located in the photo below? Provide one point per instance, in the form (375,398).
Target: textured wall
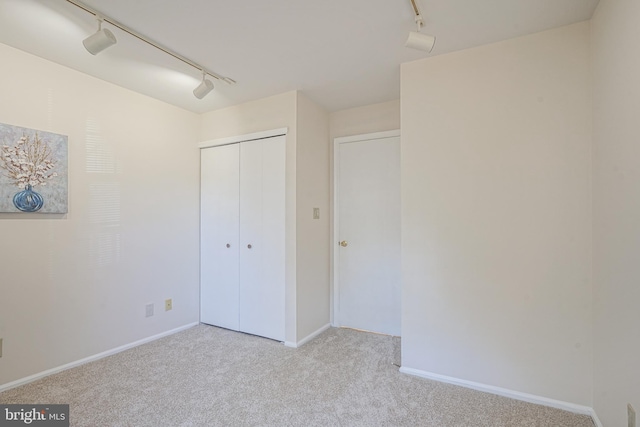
(616,94)
(76,285)
(496,223)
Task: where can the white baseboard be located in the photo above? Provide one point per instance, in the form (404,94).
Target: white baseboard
(595,418)
(39,375)
(308,337)
(531,398)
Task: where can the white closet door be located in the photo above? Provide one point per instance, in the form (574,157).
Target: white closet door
(262,221)
(219,245)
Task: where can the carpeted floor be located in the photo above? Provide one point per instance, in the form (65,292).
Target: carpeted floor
(206,376)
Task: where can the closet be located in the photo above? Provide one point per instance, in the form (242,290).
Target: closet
(242,242)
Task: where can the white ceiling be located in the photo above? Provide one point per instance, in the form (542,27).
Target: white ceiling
(340,53)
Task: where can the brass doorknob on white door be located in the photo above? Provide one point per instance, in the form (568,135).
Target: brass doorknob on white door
(344,243)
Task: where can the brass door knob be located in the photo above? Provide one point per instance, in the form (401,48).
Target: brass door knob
(344,243)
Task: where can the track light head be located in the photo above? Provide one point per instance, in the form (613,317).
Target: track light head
(420,41)
(416,39)
(100,40)
(203,88)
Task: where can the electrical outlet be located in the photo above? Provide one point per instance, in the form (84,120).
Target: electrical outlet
(632,415)
(316,213)
(168,304)
(149,308)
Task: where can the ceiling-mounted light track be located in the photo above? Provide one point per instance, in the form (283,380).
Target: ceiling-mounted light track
(416,39)
(105,33)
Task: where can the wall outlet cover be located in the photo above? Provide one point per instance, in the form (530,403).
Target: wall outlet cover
(168,304)
(149,310)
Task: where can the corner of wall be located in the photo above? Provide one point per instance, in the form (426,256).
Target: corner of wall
(312,234)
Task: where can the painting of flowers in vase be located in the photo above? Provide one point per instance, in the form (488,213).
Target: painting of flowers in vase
(33,171)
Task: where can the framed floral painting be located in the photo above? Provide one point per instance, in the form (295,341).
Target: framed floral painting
(33,171)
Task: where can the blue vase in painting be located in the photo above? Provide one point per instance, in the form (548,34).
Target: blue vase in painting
(28,200)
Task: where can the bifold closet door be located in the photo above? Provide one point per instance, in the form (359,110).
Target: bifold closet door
(219,228)
(262,237)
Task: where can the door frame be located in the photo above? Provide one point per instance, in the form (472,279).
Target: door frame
(335,288)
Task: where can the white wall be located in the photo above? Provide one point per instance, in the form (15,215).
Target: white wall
(262,114)
(616,90)
(366,119)
(76,285)
(312,234)
(496,223)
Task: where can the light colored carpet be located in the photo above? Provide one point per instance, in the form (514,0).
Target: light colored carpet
(206,376)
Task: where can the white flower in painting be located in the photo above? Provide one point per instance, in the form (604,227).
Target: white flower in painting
(28,162)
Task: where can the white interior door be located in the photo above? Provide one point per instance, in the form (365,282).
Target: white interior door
(368,210)
(219,245)
(262,237)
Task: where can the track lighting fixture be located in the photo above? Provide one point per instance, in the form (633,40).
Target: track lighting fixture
(204,87)
(416,39)
(104,38)
(100,40)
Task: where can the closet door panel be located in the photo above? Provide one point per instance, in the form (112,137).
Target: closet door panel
(219,236)
(273,232)
(262,210)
